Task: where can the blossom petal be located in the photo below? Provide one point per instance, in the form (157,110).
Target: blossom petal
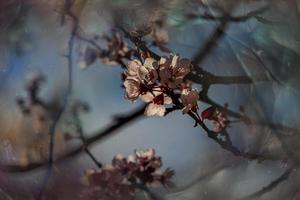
(174,61)
(154,109)
(133,66)
(132,87)
(167,100)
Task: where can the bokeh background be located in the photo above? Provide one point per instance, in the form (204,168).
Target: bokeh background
(32,40)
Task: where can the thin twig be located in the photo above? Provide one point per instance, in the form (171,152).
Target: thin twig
(75,25)
(83,139)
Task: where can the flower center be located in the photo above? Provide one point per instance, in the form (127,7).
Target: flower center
(159,100)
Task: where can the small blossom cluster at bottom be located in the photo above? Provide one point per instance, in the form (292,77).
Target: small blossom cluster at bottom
(120,179)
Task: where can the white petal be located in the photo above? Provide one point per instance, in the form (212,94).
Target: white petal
(160,110)
(148,74)
(162,60)
(174,61)
(133,67)
(167,100)
(119,157)
(108,167)
(131,158)
(149,62)
(142,72)
(185,91)
(150,110)
(132,88)
(154,109)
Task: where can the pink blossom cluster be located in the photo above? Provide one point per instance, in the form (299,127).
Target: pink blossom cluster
(120,179)
(153,80)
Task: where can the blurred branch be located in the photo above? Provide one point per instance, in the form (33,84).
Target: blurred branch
(110,130)
(271,186)
(4,195)
(141,45)
(204,51)
(257,57)
(206,78)
(253,14)
(75,25)
(90,41)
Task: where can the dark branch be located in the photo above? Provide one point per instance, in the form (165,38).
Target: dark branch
(206,78)
(204,51)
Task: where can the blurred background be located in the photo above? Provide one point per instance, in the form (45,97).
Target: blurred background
(33,40)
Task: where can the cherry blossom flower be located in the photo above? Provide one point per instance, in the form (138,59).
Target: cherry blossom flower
(147,72)
(189,99)
(219,119)
(173,70)
(152,80)
(144,72)
(132,87)
(156,105)
(133,67)
(146,154)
